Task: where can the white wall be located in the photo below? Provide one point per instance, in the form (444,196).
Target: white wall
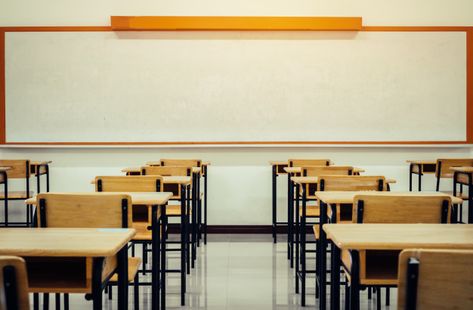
(240,178)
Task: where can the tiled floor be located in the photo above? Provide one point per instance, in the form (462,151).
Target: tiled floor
(235,272)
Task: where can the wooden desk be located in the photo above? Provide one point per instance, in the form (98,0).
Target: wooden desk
(360,239)
(39,168)
(132,170)
(331,207)
(80,252)
(464,176)
(156,203)
(277,168)
(420,167)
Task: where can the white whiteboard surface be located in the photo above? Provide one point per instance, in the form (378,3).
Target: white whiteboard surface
(232,86)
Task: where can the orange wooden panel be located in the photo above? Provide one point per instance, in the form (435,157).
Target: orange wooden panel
(234,23)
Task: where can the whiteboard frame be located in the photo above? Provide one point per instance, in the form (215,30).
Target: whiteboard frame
(468,113)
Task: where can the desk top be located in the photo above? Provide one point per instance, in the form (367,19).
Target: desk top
(400,236)
(137,198)
(69,242)
(462,169)
(299,169)
(422,162)
(183,180)
(337,197)
(278,163)
(138,169)
(314,180)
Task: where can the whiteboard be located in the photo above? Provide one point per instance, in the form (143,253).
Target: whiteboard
(235,86)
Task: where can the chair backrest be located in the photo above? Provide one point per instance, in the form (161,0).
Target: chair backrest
(19,168)
(401,208)
(13,284)
(76,210)
(129,183)
(308,162)
(315,171)
(435,279)
(181,162)
(444,165)
(351,183)
(166,170)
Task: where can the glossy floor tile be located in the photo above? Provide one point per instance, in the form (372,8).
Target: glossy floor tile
(235,272)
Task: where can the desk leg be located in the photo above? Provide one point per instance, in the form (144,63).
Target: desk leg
(205,205)
(355,281)
(274,203)
(410,176)
(155,239)
(297,232)
(322,257)
(47,178)
(183,243)
(38,180)
(164,222)
(335,278)
(470,198)
(420,179)
(123,278)
(97,268)
(302,229)
(288,216)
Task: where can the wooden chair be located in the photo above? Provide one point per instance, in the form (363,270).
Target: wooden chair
(379,268)
(63,210)
(201,224)
(13,284)
(141,215)
(443,166)
(339,180)
(435,279)
(308,162)
(19,169)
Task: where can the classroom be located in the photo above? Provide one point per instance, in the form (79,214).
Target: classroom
(223,154)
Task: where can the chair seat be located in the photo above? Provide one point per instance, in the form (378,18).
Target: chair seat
(133,265)
(17,195)
(30,201)
(310,211)
(316,229)
(463,196)
(174,210)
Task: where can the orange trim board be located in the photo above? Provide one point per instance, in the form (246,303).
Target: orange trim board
(234,23)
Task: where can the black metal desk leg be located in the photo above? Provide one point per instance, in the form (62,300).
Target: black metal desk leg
(322,256)
(97,268)
(274,203)
(183,243)
(335,278)
(164,221)
(355,281)
(123,278)
(420,179)
(205,205)
(410,177)
(47,178)
(155,239)
(470,198)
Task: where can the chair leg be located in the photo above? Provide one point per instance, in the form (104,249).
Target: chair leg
(136,292)
(145,256)
(347,295)
(388,296)
(378,298)
(110,292)
(36,301)
(66,301)
(45,301)
(57,301)
(369,292)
